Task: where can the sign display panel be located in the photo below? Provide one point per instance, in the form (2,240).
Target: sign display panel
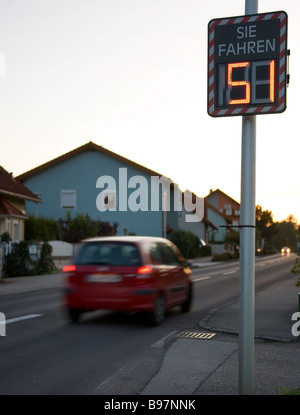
(247,61)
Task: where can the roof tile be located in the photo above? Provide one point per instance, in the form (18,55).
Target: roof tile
(10,185)
(7,209)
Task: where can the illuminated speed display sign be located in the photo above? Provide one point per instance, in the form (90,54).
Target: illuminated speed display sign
(247,65)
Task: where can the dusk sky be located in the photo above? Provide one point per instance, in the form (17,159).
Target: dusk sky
(131,76)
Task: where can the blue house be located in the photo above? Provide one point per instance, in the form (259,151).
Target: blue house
(95,181)
(221,223)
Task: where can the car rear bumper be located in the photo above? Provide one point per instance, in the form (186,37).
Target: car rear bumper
(141,299)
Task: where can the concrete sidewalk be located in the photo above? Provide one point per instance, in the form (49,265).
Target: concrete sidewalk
(16,285)
(211,367)
(274,307)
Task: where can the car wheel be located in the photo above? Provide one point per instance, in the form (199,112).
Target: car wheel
(158,314)
(186,306)
(74,314)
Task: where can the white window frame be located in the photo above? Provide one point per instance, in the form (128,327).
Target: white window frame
(16,231)
(228,209)
(66,202)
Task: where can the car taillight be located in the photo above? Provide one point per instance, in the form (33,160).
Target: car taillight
(144,274)
(145,269)
(69,268)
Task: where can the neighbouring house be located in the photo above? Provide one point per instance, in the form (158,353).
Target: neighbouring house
(95,181)
(226,205)
(204,228)
(224,213)
(221,224)
(13,195)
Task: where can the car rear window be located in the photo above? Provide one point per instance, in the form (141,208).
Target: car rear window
(163,254)
(108,253)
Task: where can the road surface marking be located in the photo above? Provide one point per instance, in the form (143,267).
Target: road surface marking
(229,272)
(203,278)
(205,264)
(14,320)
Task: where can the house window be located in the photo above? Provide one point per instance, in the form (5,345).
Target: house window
(68,199)
(16,231)
(228,210)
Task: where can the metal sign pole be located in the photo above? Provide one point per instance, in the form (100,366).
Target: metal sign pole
(247,246)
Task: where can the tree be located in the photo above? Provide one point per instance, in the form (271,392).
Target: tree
(264,224)
(286,234)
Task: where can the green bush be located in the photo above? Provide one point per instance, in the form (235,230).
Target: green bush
(205,250)
(296,270)
(186,242)
(70,229)
(5,237)
(19,263)
(45,264)
(40,229)
(222,257)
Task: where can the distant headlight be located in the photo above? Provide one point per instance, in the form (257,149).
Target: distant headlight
(285,249)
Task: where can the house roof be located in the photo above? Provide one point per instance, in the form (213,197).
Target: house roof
(220,192)
(7,209)
(13,187)
(86,147)
(228,221)
(218,212)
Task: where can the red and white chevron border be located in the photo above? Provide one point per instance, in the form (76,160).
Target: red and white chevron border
(282,65)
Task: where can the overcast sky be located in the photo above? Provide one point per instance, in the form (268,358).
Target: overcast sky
(131,76)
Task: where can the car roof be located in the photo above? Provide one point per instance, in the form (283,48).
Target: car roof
(128,238)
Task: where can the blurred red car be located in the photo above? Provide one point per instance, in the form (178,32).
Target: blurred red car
(128,273)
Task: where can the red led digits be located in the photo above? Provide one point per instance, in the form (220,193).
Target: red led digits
(272,81)
(246,83)
(231,83)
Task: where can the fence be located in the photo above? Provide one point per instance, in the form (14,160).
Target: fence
(62,252)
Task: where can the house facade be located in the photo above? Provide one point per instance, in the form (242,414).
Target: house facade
(226,205)
(13,196)
(203,228)
(221,223)
(108,187)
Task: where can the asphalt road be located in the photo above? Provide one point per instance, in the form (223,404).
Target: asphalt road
(45,354)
